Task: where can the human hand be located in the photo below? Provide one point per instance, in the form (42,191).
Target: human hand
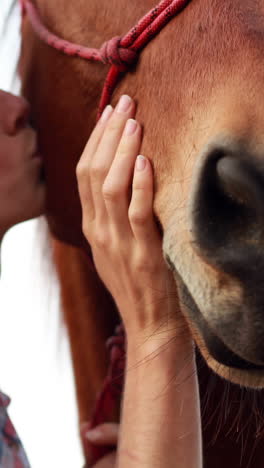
(106,435)
(120,226)
(22,191)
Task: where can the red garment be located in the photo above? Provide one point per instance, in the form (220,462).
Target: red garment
(12,454)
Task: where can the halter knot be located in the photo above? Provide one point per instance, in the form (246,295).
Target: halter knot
(114,54)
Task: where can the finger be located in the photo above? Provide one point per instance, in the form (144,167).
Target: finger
(140,211)
(109,461)
(106,150)
(104,434)
(82,169)
(117,185)
(96,135)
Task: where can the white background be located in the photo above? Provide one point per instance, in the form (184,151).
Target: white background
(35,365)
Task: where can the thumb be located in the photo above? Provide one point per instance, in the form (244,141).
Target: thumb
(104,434)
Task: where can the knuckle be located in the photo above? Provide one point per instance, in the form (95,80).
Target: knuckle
(85,229)
(97,170)
(145,263)
(114,125)
(124,148)
(141,264)
(98,238)
(111,192)
(101,240)
(136,217)
(81,170)
(139,186)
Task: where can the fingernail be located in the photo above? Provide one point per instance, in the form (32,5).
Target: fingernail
(123,104)
(130,127)
(93,435)
(106,114)
(141,163)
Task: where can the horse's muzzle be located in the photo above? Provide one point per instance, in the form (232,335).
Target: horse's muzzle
(227,216)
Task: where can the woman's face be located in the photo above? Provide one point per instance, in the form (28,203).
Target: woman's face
(22,189)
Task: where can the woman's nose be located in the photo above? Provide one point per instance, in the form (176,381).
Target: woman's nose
(14,113)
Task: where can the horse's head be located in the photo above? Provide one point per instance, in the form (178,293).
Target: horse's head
(198,87)
(204,128)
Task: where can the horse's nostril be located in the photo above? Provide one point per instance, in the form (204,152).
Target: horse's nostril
(240,181)
(228,204)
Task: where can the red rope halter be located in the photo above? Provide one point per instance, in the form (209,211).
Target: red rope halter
(121,53)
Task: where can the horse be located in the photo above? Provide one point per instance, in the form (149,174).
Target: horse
(198,86)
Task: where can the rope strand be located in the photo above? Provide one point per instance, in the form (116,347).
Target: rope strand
(120,53)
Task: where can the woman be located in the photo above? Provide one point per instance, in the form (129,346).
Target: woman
(160,417)
(22,196)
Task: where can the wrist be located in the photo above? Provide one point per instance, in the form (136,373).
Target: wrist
(161,385)
(145,320)
(161,346)
(148,337)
